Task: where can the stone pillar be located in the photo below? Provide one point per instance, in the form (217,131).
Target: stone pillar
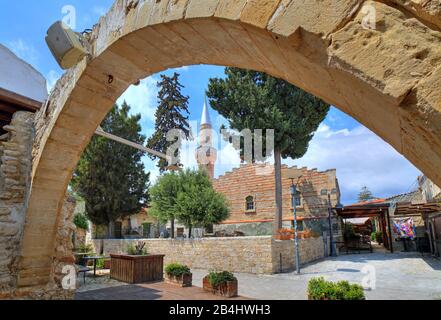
(15,181)
(15,173)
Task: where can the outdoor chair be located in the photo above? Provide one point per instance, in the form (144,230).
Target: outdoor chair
(83,270)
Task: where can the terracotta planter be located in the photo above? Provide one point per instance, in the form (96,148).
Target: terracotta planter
(284,237)
(229,289)
(137,269)
(185,280)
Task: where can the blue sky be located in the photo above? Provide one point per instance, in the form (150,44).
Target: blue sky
(360,157)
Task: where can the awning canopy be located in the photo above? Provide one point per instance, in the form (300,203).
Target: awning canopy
(362,211)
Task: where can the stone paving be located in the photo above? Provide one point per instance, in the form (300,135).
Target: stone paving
(406,276)
(150,291)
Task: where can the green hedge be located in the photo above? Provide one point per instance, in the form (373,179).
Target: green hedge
(320,289)
(177,269)
(218,278)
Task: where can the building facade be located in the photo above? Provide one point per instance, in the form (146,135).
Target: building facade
(251,197)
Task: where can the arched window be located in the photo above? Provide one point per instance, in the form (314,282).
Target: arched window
(249,205)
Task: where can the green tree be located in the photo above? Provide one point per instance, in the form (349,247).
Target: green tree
(163,197)
(110,176)
(365,195)
(197,203)
(171,114)
(254,100)
(190,198)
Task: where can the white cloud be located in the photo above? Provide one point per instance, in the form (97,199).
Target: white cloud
(361,159)
(143,100)
(24,51)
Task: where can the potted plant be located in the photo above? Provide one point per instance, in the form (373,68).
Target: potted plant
(176,273)
(137,266)
(222,283)
(320,289)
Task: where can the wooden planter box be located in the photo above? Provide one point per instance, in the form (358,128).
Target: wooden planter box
(137,269)
(228,289)
(185,280)
(106,264)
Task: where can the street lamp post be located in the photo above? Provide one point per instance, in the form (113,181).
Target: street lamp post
(331,238)
(294,194)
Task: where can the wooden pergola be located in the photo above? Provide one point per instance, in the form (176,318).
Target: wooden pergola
(382,211)
(408,208)
(370,210)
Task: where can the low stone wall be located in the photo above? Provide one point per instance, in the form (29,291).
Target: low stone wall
(258,255)
(284,258)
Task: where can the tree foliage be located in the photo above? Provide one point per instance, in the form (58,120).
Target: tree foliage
(365,195)
(110,176)
(189,198)
(172,113)
(80,220)
(254,100)
(163,197)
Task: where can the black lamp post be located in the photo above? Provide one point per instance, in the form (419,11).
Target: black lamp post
(294,195)
(331,233)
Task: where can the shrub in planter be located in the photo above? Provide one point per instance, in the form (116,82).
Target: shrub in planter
(221,283)
(137,249)
(177,273)
(320,289)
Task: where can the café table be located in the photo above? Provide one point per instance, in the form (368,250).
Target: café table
(95,259)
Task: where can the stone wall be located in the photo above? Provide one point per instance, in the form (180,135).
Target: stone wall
(284,253)
(258,255)
(15,172)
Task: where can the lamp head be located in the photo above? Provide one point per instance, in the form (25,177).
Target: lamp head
(65,45)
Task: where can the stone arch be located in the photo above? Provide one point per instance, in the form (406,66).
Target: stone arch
(387,78)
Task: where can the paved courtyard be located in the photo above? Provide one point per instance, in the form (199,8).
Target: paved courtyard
(150,291)
(405,276)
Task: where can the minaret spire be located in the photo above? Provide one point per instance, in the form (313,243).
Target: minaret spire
(205,119)
(206,155)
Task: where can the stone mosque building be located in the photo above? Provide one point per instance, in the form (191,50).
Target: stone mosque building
(250,191)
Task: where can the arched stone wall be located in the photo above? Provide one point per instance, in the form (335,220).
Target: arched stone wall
(387,78)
